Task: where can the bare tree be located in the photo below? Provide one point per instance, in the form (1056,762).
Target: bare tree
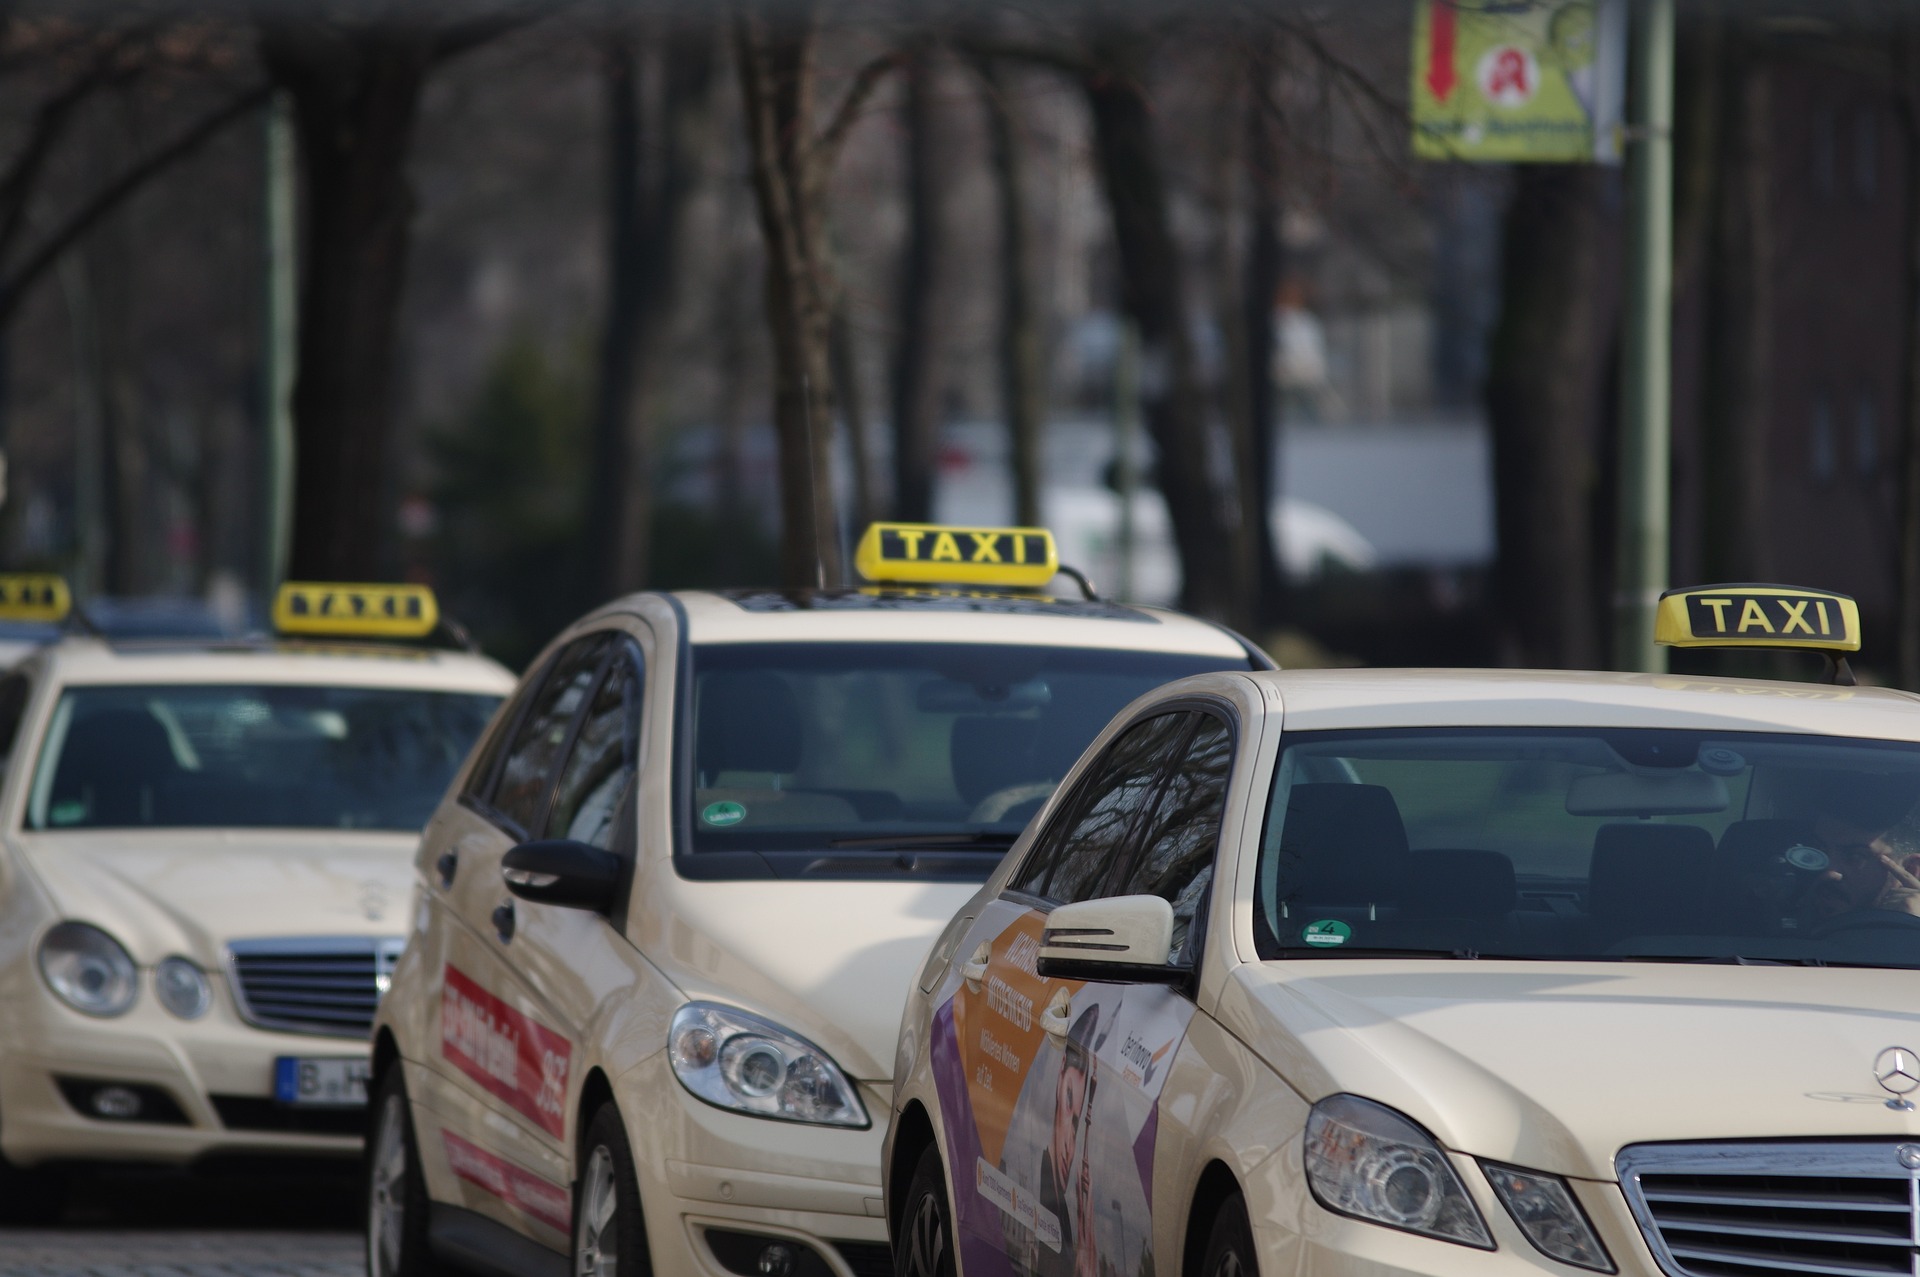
(774,54)
(1023,389)
(920,330)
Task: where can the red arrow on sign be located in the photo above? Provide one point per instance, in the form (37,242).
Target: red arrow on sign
(1440,31)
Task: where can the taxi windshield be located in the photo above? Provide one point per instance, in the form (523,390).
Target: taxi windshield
(297,757)
(1629,845)
(926,757)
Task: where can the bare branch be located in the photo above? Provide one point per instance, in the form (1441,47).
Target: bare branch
(110,196)
(865,81)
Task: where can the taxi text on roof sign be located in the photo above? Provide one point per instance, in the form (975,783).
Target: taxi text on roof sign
(369,611)
(936,553)
(38,596)
(1758,616)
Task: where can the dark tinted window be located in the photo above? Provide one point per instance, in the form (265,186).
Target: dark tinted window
(1078,854)
(1183,833)
(601,765)
(527,772)
(13,703)
(208,756)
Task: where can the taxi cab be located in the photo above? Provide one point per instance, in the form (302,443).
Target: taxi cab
(1430,971)
(204,873)
(670,910)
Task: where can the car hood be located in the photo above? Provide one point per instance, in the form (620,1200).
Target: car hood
(830,960)
(1560,1065)
(191,891)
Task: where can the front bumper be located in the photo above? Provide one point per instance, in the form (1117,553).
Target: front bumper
(714,1183)
(217,1071)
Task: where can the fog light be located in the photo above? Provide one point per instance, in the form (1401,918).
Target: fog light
(116,1102)
(776,1261)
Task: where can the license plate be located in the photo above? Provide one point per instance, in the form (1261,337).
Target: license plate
(325,1082)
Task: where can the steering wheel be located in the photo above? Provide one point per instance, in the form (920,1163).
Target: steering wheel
(1867,920)
(1001,801)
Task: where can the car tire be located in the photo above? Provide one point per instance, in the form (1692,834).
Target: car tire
(395,1187)
(31,1195)
(1230,1244)
(609,1235)
(924,1247)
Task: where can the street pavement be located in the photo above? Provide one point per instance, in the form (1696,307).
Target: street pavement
(253,1223)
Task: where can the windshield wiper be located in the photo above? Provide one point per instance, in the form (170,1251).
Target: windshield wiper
(984,841)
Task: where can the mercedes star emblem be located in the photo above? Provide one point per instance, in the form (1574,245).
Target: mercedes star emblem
(1898,1072)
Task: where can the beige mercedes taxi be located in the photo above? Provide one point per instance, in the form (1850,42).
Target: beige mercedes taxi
(205,860)
(1416,971)
(671,909)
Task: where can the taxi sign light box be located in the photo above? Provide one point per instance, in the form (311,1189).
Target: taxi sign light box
(366,611)
(1766,616)
(34,597)
(928,553)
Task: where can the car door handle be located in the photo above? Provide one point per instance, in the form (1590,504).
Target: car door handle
(448,865)
(1057,1019)
(503,921)
(975,970)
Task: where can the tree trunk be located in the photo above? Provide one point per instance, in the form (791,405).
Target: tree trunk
(643,235)
(1023,390)
(1907,67)
(774,53)
(1739,317)
(356,93)
(1150,272)
(1266,268)
(853,415)
(1541,409)
(920,328)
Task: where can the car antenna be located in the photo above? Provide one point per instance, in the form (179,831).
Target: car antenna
(813,483)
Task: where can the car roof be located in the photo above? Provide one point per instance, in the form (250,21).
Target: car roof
(946,616)
(82,659)
(1316,700)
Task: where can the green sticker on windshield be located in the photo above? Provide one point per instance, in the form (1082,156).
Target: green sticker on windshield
(724,814)
(1326,932)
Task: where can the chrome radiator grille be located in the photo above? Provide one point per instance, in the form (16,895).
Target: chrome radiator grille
(1847,1209)
(312,984)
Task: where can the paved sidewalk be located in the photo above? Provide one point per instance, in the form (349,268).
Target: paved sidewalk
(109,1252)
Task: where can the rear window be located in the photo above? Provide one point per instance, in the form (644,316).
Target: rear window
(251,756)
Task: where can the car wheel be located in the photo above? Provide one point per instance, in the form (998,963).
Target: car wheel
(1230,1247)
(396,1190)
(31,1195)
(924,1247)
(609,1236)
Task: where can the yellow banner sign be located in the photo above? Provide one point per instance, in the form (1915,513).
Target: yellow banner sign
(34,597)
(925,553)
(1539,80)
(368,611)
(1758,616)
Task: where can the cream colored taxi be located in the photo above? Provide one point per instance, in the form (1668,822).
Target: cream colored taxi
(671,909)
(204,875)
(1410,971)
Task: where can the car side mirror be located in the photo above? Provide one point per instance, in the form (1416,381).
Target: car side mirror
(1126,939)
(560,871)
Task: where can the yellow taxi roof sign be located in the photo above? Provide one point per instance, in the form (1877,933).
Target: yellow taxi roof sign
(935,553)
(340,610)
(34,597)
(1780,616)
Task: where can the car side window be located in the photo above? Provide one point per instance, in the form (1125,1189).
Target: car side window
(1077,854)
(14,689)
(1181,837)
(527,773)
(604,759)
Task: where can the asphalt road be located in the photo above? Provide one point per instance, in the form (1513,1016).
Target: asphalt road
(247,1222)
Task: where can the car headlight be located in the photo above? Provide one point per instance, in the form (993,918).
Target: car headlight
(739,1061)
(1544,1208)
(88,969)
(182,988)
(1365,1160)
